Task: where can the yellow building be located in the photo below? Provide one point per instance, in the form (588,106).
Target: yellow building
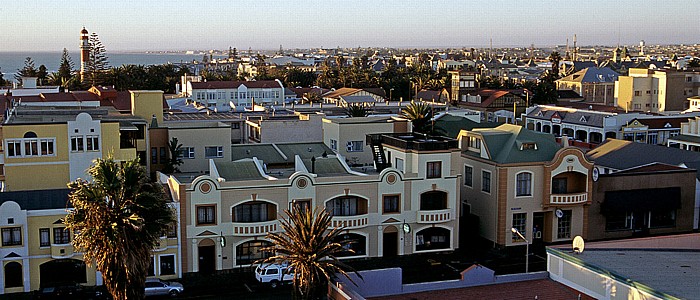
(36,248)
(655,90)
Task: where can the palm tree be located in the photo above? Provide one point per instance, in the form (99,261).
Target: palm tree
(356,110)
(309,245)
(555,58)
(174,160)
(420,114)
(118,218)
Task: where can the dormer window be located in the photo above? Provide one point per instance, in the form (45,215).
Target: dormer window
(528,146)
(474,142)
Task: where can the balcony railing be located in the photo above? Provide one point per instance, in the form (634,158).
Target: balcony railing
(434,216)
(350,222)
(61,251)
(574,198)
(257,228)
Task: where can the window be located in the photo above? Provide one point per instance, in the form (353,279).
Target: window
(302,204)
(391,204)
(254,212)
(61,236)
(167,264)
(44,237)
(559,185)
(214,151)
(206,215)
(354,146)
(519,223)
(163,156)
(13,275)
(235,125)
(187,152)
(523,184)
(76,144)
(486,181)
(637,93)
(47,147)
(249,252)
(434,169)
(564,225)
(93,143)
(172,230)
(14,148)
(663,218)
(399,164)
(347,206)
(474,142)
(11,236)
(154,155)
(31,148)
(468,176)
(334,145)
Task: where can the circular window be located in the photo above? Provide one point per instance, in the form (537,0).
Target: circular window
(301,183)
(391,178)
(205,188)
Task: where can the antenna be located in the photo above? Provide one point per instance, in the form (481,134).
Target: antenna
(578,244)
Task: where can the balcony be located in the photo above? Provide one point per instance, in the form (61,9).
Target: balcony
(412,141)
(350,222)
(434,216)
(59,251)
(562,199)
(256,228)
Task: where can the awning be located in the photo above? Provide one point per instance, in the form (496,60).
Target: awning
(127,126)
(641,200)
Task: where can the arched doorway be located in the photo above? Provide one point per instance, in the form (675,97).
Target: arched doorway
(546,129)
(352,241)
(595,138)
(581,135)
(13,275)
(207,255)
(248,252)
(390,242)
(432,238)
(538,127)
(556,130)
(568,132)
(61,272)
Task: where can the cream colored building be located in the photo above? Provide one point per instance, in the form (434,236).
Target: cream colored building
(227,213)
(285,129)
(516,178)
(348,136)
(656,90)
(689,137)
(201,142)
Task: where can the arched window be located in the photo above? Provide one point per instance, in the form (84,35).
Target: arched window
(347,206)
(254,211)
(352,241)
(523,184)
(248,252)
(432,238)
(30,135)
(433,200)
(13,275)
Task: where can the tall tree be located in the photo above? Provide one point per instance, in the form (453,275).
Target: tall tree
(174,159)
(29,70)
(118,218)
(65,69)
(97,64)
(555,58)
(308,243)
(420,114)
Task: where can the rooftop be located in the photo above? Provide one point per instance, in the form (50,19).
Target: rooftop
(621,154)
(414,141)
(504,144)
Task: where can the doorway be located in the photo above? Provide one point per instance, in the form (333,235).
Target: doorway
(390,244)
(207,253)
(538,232)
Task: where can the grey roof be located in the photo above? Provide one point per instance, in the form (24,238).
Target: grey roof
(569,115)
(244,169)
(621,154)
(358,99)
(593,75)
(685,138)
(503,144)
(673,272)
(329,166)
(38,199)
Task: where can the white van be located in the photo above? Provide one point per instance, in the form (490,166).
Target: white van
(274,274)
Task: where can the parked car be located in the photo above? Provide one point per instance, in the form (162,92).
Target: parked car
(71,291)
(274,274)
(156,287)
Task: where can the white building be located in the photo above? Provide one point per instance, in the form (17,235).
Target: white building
(235,95)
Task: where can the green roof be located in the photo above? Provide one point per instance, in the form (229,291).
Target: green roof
(451,125)
(504,144)
(244,169)
(326,166)
(265,152)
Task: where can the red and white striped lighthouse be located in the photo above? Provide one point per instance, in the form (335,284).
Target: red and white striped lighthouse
(84,52)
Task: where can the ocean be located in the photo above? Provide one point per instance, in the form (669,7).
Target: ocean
(10,62)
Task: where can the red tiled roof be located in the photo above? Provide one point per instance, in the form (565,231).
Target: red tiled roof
(525,290)
(235,84)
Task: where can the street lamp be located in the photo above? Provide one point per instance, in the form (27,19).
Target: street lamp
(390,92)
(527,248)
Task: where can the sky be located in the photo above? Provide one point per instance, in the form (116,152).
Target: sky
(130,25)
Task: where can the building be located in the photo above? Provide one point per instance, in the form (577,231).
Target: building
(656,90)
(652,130)
(347,136)
(517,178)
(334,96)
(495,105)
(36,247)
(463,83)
(285,128)
(688,137)
(593,84)
(663,267)
(441,96)
(227,212)
(227,96)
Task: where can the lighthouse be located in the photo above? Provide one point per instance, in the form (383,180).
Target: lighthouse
(84,52)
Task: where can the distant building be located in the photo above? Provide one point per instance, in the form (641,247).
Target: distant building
(688,137)
(377,94)
(593,84)
(284,128)
(348,136)
(463,83)
(226,96)
(442,96)
(656,90)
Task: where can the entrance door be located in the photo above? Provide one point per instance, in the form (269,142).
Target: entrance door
(538,231)
(391,244)
(206,259)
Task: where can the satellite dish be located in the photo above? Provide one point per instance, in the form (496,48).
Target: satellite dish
(578,244)
(559,213)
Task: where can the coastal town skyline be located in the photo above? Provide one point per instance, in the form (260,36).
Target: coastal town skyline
(265,25)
